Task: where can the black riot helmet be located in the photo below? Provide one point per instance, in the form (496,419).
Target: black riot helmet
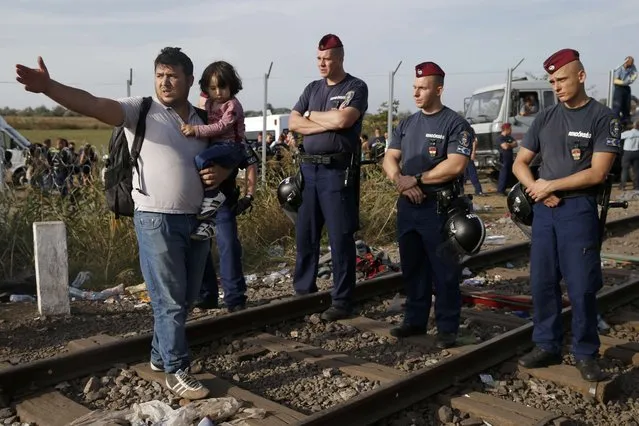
(378,150)
(520,205)
(464,231)
(289,195)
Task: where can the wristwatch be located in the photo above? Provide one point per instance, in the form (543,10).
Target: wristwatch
(418,176)
(307,114)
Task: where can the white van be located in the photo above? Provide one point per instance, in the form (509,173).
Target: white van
(12,141)
(276,124)
(486,111)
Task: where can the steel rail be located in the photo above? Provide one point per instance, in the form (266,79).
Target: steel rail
(369,407)
(26,378)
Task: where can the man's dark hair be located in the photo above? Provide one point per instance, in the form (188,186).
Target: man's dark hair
(173,56)
(225,75)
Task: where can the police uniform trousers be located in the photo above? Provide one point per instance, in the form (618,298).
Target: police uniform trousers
(505,173)
(621,102)
(326,200)
(420,233)
(565,244)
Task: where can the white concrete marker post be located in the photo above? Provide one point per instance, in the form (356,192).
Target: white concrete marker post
(52,267)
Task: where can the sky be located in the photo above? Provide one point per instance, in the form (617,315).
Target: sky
(92,44)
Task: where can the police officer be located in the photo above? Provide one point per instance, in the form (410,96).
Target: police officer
(434,147)
(578,140)
(624,76)
(329,115)
(506,145)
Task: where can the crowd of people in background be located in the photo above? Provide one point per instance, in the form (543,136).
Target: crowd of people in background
(60,166)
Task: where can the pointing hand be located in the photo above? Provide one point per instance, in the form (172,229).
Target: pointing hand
(35,80)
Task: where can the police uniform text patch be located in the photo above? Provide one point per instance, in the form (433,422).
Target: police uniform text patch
(613,142)
(615,128)
(463,150)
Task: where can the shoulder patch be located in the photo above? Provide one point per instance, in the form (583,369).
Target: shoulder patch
(614,142)
(615,128)
(347,99)
(464,139)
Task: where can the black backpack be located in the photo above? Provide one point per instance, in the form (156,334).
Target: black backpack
(118,176)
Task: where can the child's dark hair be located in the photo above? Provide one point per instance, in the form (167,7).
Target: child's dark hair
(226,77)
(174,56)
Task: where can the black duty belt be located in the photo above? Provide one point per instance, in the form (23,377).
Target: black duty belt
(340,160)
(586,192)
(446,187)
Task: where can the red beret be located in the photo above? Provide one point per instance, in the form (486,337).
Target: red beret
(204,95)
(330,41)
(559,59)
(505,126)
(428,68)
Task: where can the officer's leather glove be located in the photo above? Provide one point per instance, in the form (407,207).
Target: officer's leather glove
(244,204)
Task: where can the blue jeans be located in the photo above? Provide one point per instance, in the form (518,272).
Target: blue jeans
(172,266)
(230,252)
(226,154)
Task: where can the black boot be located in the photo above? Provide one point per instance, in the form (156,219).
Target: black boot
(208,303)
(539,358)
(445,340)
(406,330)
(589,370)
(334,313)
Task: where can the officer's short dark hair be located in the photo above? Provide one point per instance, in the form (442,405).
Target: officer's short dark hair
(439,80)
(173,56)
(364,136)
(225,75)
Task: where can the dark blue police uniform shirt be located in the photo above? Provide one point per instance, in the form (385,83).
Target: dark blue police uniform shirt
(426,140)
(506,154)
(319,96)
(567,138)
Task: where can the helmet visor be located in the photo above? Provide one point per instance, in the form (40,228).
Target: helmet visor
(292,215)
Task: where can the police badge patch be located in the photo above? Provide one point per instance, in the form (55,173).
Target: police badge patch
(615,128)
(464,139)
(347,100)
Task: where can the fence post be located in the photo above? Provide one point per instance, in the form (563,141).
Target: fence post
(51,267)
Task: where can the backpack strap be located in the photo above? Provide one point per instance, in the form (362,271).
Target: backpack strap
(204,116)
(140,130)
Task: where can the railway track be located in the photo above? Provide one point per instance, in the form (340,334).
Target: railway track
(385,390)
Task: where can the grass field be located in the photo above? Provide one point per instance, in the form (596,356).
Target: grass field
(96,137)
(80,130)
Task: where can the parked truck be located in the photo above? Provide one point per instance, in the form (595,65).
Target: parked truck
(490,107)
(16,146)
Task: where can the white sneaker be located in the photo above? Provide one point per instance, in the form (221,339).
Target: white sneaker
(205,231)
(210,205)
(185,386)
(155,367)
